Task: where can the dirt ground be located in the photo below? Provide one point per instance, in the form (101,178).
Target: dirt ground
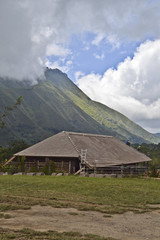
(127,226)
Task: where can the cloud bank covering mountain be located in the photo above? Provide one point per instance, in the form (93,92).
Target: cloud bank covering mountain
(111,46)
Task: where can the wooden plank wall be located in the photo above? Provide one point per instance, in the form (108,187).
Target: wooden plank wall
(37,164)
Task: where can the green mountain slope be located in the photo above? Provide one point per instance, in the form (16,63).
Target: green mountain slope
(57,104)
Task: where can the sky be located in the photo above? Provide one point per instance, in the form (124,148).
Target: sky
(109,48)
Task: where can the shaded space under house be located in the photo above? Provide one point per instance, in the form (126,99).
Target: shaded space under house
(75,152)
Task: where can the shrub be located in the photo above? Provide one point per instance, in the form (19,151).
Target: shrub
(154,171)
(45,170)
(52,167)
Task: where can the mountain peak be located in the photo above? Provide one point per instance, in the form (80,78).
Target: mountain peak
(56,76)
(55,71)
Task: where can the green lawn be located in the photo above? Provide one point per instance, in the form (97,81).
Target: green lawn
(107,195)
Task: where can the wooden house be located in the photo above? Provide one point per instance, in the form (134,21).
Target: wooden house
(71,152)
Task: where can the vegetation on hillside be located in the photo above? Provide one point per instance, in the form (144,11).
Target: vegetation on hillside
(57,104)
(6,111)
(151,150)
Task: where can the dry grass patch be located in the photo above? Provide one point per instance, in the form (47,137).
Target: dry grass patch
(25,234)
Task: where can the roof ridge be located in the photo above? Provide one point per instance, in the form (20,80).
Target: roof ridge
(88,134)
(67,134)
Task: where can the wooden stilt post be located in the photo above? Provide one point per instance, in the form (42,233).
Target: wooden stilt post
(122,170)
(69,166)
(62,165)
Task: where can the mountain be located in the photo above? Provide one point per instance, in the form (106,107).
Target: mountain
(157,134)
(57,104)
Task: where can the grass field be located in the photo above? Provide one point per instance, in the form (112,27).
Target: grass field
(106,195)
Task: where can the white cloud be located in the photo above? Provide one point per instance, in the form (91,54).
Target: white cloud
(78,75)
(57,50)
(110,38)
(113,40)
(98,38)
(100,57)
(27,28)
(57,64)
(133,88)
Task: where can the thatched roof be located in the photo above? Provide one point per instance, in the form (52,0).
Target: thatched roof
(102,149)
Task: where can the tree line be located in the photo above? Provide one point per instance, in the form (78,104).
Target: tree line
(151,150)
